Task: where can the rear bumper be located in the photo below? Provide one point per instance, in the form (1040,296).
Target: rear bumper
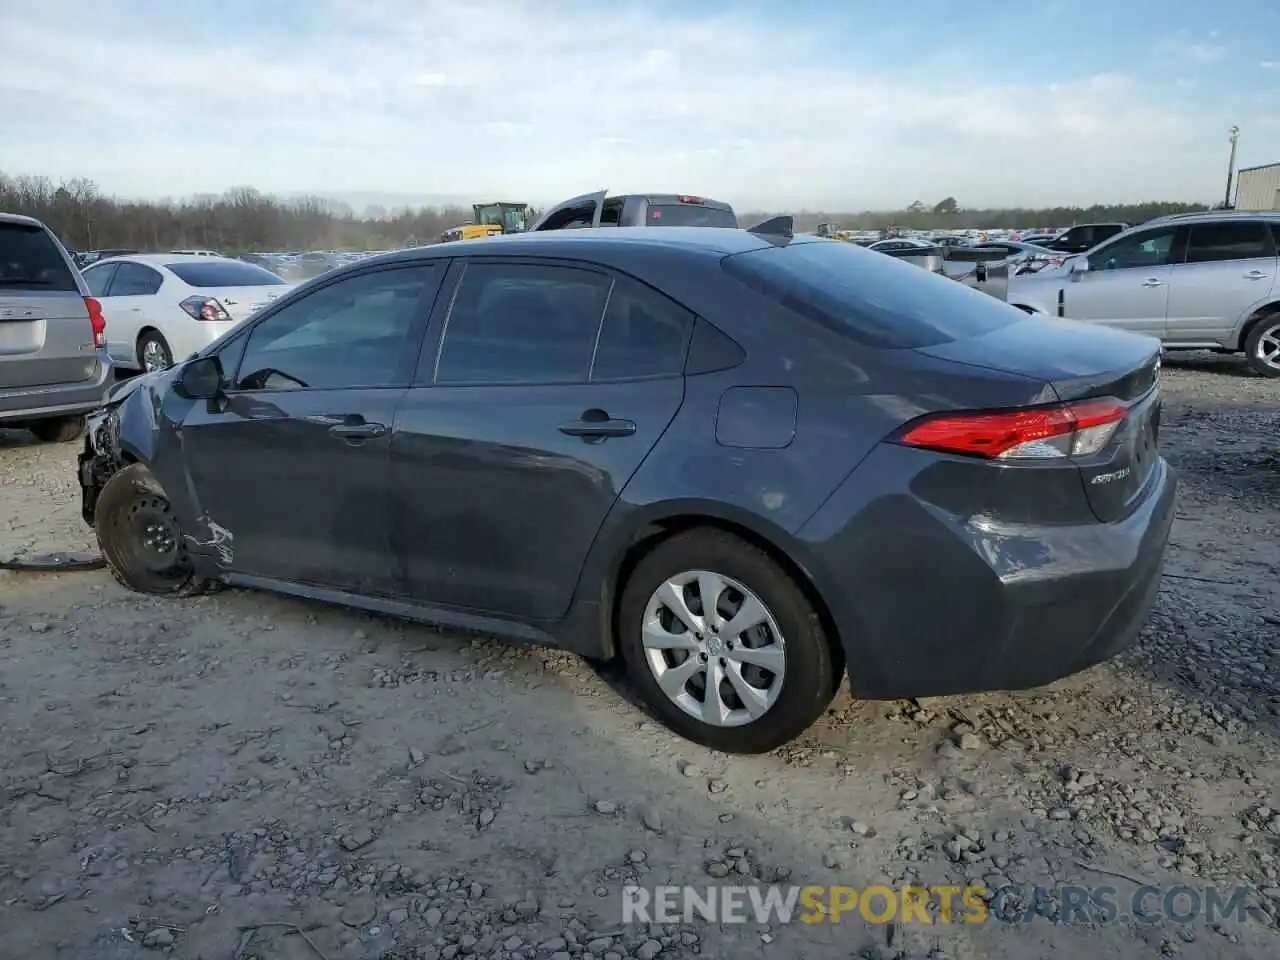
(930,604)
(57,400)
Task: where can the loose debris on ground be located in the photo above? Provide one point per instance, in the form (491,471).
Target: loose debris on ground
(252,777)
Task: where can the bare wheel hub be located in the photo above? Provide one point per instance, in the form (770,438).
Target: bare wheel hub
(714,648)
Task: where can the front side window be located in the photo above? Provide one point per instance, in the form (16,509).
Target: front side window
(1235,240)
(1149,249)
(522,323)
(135,280)
(348,334)
(98,279)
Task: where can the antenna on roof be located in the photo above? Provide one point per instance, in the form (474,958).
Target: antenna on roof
(776,227)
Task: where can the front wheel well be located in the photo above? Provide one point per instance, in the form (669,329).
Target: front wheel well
(651,535)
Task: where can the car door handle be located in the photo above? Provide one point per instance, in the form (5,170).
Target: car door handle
(358,431)
(1256,275)
(1153,282)
(590,428)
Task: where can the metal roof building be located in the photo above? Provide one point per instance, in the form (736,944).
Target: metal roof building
(1258,188)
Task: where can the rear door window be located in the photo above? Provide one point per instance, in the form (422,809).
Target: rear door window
(1233,240)
(870,298)
(135,280)
(523,323)
(645,334)
(30,259)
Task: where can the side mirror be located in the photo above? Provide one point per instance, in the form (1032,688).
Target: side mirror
(200,379)
(1080,265)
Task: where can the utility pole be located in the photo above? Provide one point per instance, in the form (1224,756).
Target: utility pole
(1234,133)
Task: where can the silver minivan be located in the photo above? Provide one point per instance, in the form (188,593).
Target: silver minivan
(53,360)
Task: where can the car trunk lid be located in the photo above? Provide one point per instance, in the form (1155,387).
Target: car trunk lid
(1082,363)
(46,338)
(242,302)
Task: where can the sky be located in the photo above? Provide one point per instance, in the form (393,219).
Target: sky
(769,104)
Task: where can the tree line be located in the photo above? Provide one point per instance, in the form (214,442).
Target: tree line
(243,220)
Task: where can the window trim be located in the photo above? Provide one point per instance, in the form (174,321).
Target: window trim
(403,376)
(1269,230)
(430,376)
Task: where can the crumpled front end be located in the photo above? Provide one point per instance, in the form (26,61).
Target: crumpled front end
(100,458)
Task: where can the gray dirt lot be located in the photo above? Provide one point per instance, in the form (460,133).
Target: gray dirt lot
(174,772)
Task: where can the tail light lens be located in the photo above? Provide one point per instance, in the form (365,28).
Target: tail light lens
(97,321)
(205,308)
(1044,433)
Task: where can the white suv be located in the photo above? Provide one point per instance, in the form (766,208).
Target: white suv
(1196,281)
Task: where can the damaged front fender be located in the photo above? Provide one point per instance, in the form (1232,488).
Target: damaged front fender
(141,422)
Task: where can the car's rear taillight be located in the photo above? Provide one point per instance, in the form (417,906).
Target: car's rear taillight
(1042,433)
(97,322)
(204,308)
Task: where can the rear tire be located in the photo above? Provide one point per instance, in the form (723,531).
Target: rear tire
(1262,346)
(140,538)
(154,352)
(788,634)
(58,429)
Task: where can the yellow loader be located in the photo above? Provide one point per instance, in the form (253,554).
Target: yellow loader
(491,220)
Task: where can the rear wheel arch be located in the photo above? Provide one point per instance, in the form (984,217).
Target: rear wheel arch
(1255,318)
(661,529)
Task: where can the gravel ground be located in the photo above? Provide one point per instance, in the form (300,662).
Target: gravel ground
(247,776)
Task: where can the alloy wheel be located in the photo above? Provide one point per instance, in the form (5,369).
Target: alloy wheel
(154,356)
(714,648)
(1267,349)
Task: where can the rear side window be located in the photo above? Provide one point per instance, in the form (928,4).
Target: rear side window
(873,299)
(522,323)
(223,273)
(30,259)
(644,334)
(688,215)
(1215,242)
(135,280)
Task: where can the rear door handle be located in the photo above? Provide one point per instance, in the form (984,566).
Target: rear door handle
(598,429)
(1153,282)
(358,431)
(1256,275)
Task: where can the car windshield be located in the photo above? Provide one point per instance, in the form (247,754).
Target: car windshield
(29,257)
(689,215)
(871,298)
(223,273)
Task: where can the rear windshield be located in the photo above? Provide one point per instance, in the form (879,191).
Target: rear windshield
(30,258)
(223,273)
(689,215)
(876,300)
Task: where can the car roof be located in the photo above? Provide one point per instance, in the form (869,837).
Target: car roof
(155,259)
(717,242)
(18,218)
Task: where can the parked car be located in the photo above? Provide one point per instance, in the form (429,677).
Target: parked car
(1084,236)
(53,365)
(591,439)
(1200,281)
(636,210)
(83,260)
(162,306)
(900,245)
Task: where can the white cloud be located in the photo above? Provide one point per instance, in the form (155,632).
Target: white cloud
(1270,64)
(543,100)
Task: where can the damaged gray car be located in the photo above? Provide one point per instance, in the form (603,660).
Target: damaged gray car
(746,463)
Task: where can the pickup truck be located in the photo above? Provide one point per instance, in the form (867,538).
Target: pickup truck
(636,210)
